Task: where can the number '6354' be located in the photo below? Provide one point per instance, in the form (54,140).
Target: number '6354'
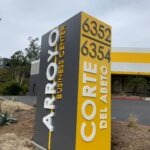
(94,51)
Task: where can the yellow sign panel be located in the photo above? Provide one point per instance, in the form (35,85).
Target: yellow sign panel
(93,130)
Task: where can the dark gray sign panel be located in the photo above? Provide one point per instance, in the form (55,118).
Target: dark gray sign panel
(74,101)
(64,121)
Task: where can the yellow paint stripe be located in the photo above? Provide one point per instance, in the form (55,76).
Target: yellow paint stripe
(130,57)
(50,134)
(129,73)
(49,140)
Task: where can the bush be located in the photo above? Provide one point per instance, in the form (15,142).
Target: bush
(10,88)
(7,119)
(24,89)
(132,121)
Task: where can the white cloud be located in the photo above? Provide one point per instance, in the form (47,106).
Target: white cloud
(20,19)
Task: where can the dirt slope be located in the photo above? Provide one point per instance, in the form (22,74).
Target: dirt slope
(18,136)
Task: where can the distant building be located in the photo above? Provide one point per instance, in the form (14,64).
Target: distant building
(129,62)
(34,73)
(4,63)
(125,63)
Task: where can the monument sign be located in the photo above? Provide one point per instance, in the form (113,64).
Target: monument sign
(74,101)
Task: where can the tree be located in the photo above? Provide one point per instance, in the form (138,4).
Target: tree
(137,83)
(4,75)
(33,51)
(19,67)
(21,61)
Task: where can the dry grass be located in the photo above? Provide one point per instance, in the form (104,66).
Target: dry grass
(7,106)
(132,121)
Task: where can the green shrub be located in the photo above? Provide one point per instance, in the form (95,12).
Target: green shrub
(10,88)
(24,89)
(7,119)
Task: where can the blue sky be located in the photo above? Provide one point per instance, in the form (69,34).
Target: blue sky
(130,20)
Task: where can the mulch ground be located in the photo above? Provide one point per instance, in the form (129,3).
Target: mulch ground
(18,136)
(25,125)
(130,138)
(123,137)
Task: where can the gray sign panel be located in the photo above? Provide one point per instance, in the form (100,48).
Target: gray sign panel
(64,121)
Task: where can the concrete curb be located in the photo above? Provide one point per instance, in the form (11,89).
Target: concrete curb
(131,98)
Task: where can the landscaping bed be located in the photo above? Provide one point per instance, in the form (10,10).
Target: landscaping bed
(18,136)
(136,137)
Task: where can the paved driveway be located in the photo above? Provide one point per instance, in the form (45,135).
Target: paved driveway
(122,109)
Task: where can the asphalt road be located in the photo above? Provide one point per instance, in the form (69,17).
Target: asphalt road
(30,100)
(122,109)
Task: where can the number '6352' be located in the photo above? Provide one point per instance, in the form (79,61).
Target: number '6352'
(97,30)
